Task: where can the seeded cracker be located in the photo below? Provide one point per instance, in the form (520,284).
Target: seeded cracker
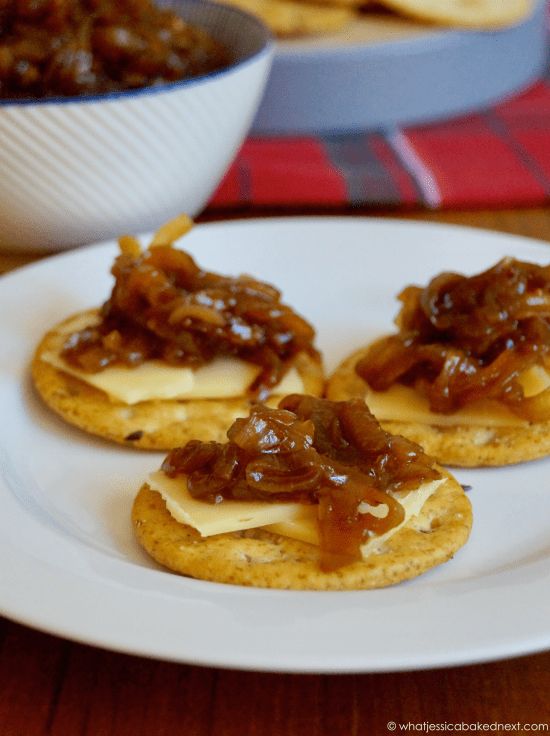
(332,457)
(261,559)
(149,425)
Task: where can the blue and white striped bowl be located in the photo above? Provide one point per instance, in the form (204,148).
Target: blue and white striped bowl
(81,169)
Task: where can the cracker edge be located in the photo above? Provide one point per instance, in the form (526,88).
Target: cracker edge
(154,425)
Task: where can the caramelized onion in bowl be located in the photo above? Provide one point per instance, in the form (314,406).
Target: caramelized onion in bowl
(84,165)
(52,48)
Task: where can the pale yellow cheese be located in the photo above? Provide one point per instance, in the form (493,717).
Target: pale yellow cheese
(294,520)
(534,381)
(403,404)
(304,529)
(307,529)
(228,516)
(224,377)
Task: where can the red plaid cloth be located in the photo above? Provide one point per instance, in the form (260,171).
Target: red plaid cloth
(498,157)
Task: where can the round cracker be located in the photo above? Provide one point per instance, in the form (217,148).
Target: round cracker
(148,425)
(462,446)
(287,18)
(483,14)
(265,560)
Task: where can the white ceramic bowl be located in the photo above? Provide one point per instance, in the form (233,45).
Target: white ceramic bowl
(81,169)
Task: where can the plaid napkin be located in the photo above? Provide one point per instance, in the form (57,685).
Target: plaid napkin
(497,158)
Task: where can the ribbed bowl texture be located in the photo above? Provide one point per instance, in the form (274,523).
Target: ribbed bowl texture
(79,170)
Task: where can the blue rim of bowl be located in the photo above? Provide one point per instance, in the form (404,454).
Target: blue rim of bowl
(267,47)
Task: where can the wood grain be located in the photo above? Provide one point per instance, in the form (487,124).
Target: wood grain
(51,687)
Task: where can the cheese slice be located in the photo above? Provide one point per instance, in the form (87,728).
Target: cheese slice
(224,377)
(403,404)
(294,520)
(307,529)
(228,516)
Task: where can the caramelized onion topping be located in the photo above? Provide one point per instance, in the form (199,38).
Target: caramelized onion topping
(313,451)
(467,338)
(82,47)
(163,306)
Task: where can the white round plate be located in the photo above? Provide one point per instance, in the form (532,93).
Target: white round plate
(71,566)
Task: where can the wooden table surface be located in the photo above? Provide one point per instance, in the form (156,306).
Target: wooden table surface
(54,687)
